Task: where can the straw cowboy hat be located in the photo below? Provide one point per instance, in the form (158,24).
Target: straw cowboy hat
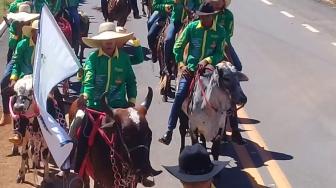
(26,30)
(23,15)
(206,9)
(195,165)
(107,31)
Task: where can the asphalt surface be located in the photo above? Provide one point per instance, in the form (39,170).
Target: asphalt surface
(289,119)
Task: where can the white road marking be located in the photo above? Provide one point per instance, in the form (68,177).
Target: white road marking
(333,43)
(310,28)
(133,115)
(267,2)
(287,14)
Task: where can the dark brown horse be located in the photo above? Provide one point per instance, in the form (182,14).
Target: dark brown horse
(120,150)
(116,10)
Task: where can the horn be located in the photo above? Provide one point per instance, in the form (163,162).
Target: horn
(148,100)
(105,107)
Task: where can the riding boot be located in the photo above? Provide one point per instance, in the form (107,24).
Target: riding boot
(166,138)
(5,119)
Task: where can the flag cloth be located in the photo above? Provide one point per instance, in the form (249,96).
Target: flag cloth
(54,62)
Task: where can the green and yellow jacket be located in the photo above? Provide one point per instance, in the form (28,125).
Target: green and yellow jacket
(159,5)
(14,6)
(23,59)
(225,19)
(179,13)
(111,74)
(203,44)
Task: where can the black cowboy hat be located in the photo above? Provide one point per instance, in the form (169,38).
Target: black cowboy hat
(206,9)
(195,165)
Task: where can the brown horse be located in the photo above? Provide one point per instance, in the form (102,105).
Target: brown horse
(119,154)
(117,10)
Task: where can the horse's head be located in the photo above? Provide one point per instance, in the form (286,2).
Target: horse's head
(228,80)
(23,97)
(136,135)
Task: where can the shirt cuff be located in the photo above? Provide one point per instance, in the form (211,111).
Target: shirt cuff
(132,100)
(86,96)
(208,59)
(14,77)
(135,42)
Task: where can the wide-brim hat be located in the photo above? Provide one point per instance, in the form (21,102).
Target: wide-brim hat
(206,9)
(23,15)
(106,32)
(26,30)
(195,165)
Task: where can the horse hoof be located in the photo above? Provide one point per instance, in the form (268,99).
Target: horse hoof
(20,179)
(15,151)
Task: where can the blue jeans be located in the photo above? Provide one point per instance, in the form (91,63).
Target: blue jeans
(235,59)
(154,29)
(4,84)
(172,29)
(75,26)
(152,19)
(180,96)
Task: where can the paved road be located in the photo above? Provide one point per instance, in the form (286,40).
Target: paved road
(288,121)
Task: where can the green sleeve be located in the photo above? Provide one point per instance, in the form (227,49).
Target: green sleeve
(55,7)
(159,5)
(13,38)
(197,4)
(13,7)
(138,56)
(88,81)
(17,60)
(131,84)
(231,25)
(181,43)
(218,54)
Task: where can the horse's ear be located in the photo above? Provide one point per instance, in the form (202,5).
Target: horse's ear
(242,77)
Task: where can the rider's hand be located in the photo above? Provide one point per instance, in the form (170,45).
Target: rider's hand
(168,8)
(81,103)
(181,66)
(203,63)
(130,104)
(11,84)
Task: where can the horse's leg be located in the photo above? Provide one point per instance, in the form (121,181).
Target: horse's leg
(24,160)
(183,129)
(203,141)
(215,147)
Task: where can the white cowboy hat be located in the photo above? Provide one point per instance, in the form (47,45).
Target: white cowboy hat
(24,14)
(107,31)
(26,30)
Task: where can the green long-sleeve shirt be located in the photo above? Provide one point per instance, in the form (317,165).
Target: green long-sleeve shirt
(14,6)
(225,19)
(23,59)
(203,44)
(53,5)
(112,74)
(159,5)
(14,38)
(71,3)
(179,13)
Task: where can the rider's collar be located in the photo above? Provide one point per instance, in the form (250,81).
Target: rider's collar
(213,27)
(101,53)
(31,42)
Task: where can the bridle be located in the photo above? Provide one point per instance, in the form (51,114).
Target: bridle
(27,115)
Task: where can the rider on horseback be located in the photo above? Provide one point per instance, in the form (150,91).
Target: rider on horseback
(182,9)
(161,8)
(108,69)
(205,39)
(15,35)
(72,7)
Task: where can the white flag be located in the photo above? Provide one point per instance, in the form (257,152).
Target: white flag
(54,62)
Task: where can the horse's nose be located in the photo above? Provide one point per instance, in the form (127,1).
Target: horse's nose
(18,107)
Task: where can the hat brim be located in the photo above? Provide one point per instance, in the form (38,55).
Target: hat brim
(175,171)
(199,13)
(96,41)
(22,16)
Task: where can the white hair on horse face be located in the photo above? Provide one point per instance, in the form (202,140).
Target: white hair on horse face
(226,67)
(133,115)
(24,86)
